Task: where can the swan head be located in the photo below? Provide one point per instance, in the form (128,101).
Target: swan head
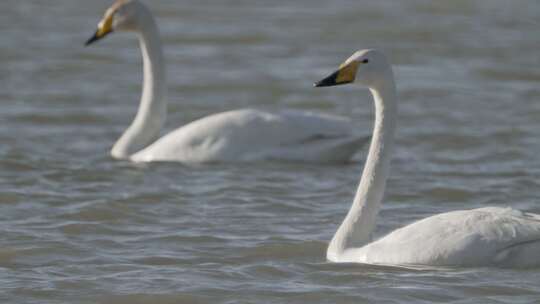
(123,15)
(365,67)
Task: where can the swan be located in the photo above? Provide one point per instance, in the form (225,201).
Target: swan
(490,236)
(239,135)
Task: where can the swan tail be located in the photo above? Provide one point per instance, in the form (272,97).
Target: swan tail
(522,255)
(322,149)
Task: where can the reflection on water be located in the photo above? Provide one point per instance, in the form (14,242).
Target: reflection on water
(79,227)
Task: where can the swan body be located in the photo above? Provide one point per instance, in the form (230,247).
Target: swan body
(477,237)
(489,236)
(248,134)
(241,135)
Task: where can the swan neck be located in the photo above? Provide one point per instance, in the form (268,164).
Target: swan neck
(152,111)
(359,224)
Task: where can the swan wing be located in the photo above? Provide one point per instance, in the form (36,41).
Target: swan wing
(248,134)
(478,237)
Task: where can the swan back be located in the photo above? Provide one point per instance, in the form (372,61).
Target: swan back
(485,236)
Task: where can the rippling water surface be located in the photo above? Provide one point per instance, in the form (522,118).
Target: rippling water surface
(78,227)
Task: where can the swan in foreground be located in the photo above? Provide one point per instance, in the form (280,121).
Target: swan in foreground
(489,236)
(240,135)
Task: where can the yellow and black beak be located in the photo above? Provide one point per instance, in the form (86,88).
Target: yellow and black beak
(104,28)
(345,74)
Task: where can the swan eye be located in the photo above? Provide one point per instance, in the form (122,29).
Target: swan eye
(365,60)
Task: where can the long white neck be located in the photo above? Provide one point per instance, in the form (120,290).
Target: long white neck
(152,111)
(358,226)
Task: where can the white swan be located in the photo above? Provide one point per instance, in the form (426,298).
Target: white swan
(480,237)
(240,135)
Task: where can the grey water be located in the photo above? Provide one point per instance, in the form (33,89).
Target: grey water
(79,227)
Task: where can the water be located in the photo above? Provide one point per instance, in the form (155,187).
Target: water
(78,227)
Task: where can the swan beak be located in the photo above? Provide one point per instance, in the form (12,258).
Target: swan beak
(104,28)
(345,74)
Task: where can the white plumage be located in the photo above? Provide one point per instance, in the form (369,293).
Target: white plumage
(490,236)
(479,237)
(246,135)
(241,135)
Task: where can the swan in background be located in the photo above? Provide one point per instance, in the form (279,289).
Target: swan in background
(240,135)
(489,236)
